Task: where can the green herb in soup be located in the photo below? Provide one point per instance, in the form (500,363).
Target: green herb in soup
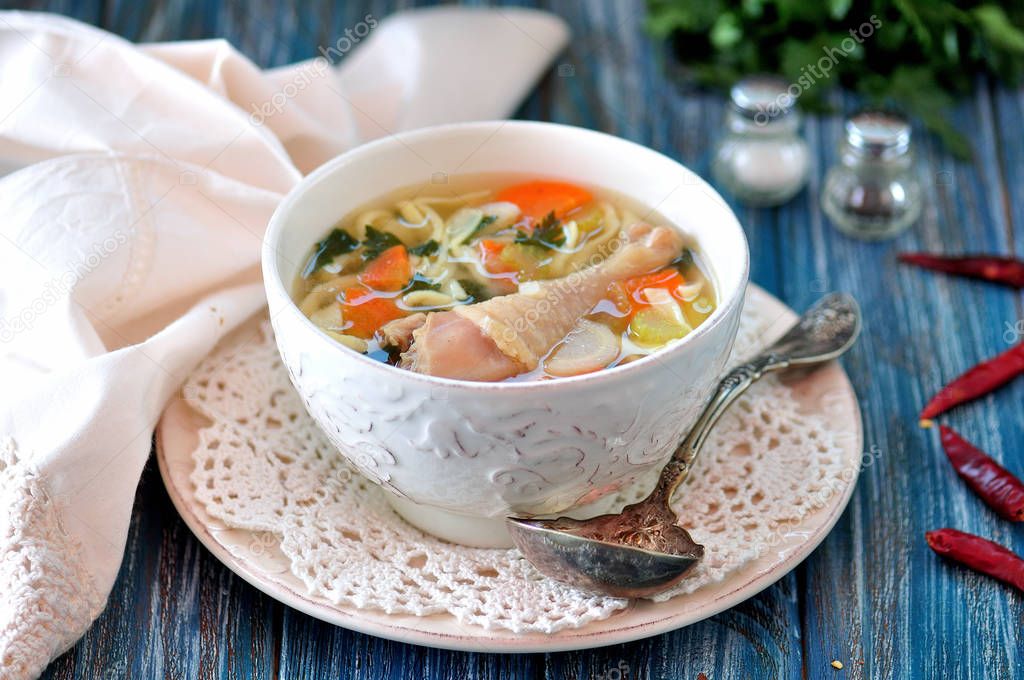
(532,280)
(338,242)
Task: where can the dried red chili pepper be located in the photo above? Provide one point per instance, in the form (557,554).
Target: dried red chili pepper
(1000,490)
(1008,271)
(979,554)
(978,381)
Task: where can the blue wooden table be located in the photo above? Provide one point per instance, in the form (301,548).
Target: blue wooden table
(872,596)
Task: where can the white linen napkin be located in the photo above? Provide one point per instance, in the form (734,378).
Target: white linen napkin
(129,244)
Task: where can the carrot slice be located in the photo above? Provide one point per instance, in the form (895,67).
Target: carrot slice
(629,298)
(490,257)
(388,271)
(364,312)
(669,279)
(538,198)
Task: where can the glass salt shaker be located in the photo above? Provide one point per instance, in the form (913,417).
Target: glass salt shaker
(873,191)
(762,160)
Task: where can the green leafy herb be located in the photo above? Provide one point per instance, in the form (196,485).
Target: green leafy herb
(425,249)
(338,242)
(376,242)
(909,54)
(998,29)
(484,222)
(421,282)
(475,291)
(547,234)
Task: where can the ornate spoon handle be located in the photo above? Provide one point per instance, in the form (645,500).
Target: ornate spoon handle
(734,384)
(822,333)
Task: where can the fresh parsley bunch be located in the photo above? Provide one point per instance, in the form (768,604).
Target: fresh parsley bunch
(913,54)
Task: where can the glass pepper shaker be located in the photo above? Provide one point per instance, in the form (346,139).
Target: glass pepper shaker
(873,191)
(762,160)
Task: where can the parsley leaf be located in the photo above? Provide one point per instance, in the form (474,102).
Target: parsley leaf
(376,242)
(910,54)
(475,291)
(338,242)
(547,234)
(484,222)
(421,282)
(425,249)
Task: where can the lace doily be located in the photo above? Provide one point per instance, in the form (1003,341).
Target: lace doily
(262,465)
(50,598)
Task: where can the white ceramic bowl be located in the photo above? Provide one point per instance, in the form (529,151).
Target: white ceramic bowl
(491,449)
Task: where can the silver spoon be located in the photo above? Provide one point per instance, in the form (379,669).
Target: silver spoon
(642,550)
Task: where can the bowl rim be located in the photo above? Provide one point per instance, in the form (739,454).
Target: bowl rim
(273,282)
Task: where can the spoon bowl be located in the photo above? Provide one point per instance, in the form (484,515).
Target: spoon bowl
(611,554)
(642,550)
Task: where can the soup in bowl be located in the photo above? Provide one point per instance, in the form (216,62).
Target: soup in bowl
(503,317)
(495,279)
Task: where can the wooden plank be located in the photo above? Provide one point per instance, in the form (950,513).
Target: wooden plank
(756,639)
(1008,113)
(876,598)
(89,11)
(313,649)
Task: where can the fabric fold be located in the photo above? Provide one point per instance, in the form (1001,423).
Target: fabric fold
(141,181)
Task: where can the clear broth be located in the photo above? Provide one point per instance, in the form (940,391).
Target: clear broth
(497,258)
